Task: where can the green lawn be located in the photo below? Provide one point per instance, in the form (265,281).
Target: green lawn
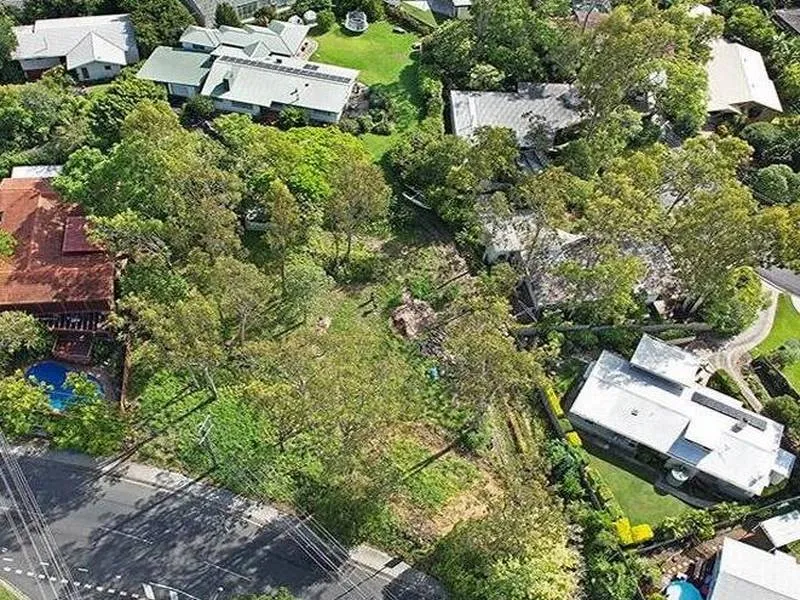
(637,497)
(5,593)
(424,16)
(785,328)
(383,58)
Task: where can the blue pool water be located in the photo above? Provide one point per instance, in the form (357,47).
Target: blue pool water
(682,590)
(54,375)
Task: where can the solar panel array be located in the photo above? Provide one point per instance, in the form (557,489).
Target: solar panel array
(268,66)
(730,411)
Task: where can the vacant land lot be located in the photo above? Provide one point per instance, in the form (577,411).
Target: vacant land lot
(384,58)
(637,496)
(786,327)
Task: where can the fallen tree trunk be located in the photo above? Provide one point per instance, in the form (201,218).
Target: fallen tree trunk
(532,331)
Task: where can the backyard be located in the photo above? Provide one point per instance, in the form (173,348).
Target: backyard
(384,58)
(639,500)
(786,327)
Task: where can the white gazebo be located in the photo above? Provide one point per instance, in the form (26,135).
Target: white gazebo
(310,17)
(356,21)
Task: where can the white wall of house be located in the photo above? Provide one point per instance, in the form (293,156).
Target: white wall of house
(231,106)
(196,47)
(323,116)
(97,71)
(40,64)
(183,91)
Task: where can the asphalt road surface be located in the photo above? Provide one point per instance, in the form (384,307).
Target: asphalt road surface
(124,540)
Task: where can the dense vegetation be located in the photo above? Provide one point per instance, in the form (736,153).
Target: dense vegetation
(264,271)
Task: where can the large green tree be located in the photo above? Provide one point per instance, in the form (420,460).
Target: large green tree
(156,22)
(23,405)
(520,551)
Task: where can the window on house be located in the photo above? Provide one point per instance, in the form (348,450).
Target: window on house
(107,67)
(84,73)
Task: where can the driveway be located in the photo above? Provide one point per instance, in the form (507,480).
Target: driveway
(729,357)
(122,538)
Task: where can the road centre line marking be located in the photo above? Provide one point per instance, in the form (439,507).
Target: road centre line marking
(127,535)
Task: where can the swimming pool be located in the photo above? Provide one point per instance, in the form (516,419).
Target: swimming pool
(54,375)
(682,590)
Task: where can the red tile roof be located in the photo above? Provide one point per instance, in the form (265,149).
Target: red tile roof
(54,268)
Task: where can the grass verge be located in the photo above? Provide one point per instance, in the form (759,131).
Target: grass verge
(785,327)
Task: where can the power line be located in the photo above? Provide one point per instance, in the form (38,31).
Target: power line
(36,529)
(321,546)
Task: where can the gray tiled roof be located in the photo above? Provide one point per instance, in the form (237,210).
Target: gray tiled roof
(552,103)
(789,17)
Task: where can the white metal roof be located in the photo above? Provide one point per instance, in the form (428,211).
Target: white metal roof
(113,37)
(665,360)
(699,426)
(308,85)
(783,529)
(749,573)
(280,37)
(553,103)
(36,171)
(737,76)
(94,48)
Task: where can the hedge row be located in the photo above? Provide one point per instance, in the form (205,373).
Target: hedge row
(630,535)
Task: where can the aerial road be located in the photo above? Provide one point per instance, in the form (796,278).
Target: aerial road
(121,538)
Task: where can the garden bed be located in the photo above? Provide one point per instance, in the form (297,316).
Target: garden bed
(785,327)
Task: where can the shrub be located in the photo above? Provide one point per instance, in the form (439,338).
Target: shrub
(722,381)
(325,21)
(553,401)
(350,126)
(641,533)
(366,123)
(565,425)
(573,439)
(624,533)
(383,128)
(226,15)
(292,116)
(787,354)
(696,522)
(196,110)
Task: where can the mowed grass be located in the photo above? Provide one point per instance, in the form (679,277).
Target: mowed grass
(638,498)
(383,58)
(786,327)
(5,593)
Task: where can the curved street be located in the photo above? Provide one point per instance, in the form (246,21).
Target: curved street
(176,539)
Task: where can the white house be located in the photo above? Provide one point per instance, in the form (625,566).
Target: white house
(254,86)
(92,48)
(252,70)
(744,572)
(653,401)
(279,38)
(738,82)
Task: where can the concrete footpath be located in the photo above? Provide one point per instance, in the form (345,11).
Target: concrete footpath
(256,513)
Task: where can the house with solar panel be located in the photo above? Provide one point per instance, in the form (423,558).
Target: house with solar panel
(252,70)
(653,402)
(91,48)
